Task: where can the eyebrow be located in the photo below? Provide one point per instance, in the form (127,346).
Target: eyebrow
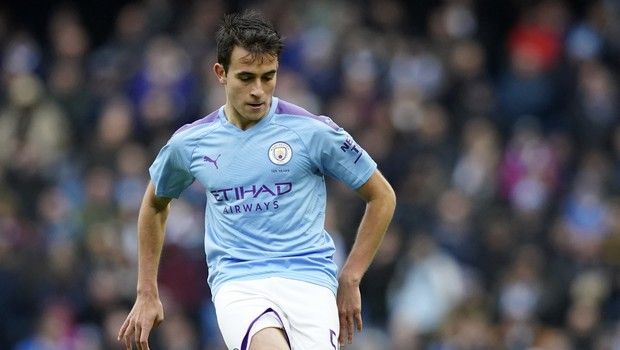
(253,74)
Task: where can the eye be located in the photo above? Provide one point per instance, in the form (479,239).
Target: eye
(245,78)
(268,78)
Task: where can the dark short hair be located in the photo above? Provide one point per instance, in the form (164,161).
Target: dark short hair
(249,30)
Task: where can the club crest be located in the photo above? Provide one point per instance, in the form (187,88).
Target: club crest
(280,153)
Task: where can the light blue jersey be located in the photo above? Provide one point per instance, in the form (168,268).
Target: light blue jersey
(265,190)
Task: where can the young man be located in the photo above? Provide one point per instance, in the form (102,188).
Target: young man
(262,161)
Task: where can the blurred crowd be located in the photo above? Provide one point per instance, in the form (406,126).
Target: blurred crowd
(498,124)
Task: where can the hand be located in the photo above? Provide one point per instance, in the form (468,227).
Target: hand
(349,303)
(146,314)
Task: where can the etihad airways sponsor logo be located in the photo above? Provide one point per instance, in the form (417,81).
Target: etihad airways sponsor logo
(252,191)
(256,198)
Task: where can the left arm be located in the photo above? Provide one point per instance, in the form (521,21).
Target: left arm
(380,203)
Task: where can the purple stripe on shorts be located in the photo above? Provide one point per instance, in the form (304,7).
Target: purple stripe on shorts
(245,345)
(294,110)
(208,119)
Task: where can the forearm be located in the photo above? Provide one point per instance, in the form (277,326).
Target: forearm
(372,228)
(151,228)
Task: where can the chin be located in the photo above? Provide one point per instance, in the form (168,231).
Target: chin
(255,115)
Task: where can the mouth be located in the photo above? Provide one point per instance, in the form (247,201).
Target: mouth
(255,105)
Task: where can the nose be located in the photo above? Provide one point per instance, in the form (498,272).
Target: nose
(257,89)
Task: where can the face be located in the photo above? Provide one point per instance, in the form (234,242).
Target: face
(249,86)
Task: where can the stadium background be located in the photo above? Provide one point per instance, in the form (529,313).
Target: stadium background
(497,122)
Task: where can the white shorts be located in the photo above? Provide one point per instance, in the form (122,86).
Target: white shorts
(307,312)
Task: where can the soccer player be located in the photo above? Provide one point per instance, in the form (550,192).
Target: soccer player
(262,162)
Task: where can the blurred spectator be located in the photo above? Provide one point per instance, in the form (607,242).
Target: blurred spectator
(596,103)
(474,171)
(529,173)
(54,329)
(529,84)
(432,284)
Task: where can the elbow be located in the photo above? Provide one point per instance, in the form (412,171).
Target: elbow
(386,199)
(390,199)
(379,192)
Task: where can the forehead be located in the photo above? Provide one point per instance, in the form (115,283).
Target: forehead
(243,60)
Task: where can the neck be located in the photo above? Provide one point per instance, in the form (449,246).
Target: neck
(237,120)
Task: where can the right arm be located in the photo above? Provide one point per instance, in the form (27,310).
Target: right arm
(147,311)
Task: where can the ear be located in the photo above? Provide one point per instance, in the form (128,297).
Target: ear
(220,73)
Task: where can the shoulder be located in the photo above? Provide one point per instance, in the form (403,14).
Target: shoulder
(295,117)
(199,126)
(195,130)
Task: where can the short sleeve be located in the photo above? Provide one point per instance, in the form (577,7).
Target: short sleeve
(341,157)
(170,172)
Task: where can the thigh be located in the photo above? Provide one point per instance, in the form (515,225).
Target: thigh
(311,312)
(242,310)
(270,339)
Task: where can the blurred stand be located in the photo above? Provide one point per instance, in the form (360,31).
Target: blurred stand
(496,122)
